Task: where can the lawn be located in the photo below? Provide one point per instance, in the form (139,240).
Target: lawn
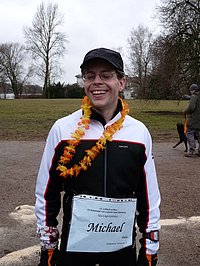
(31,119)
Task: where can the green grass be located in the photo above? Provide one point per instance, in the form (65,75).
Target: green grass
(31,119)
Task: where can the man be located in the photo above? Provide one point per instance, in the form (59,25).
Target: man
(192,112)
(102,159)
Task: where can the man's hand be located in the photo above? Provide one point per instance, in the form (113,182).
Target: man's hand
(48,257)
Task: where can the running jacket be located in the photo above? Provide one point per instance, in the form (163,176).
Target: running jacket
(124,169)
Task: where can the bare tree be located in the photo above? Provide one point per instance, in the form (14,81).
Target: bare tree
(140,42)
(165,78)
(12,60)
(181,21)
(46,42)
(176,52)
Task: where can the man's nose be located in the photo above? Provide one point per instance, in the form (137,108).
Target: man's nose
(97,78)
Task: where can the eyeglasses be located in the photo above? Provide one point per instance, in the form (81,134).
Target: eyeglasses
(104,76)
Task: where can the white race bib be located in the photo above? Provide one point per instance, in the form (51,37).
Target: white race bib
(101,224)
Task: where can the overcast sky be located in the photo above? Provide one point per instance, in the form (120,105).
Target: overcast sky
(88,24)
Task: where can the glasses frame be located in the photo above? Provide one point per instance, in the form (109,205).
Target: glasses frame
(100,76)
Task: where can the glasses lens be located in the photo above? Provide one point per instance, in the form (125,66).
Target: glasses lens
(89,77)
(104,76)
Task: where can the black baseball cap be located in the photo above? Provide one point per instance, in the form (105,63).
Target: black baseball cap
(111,56)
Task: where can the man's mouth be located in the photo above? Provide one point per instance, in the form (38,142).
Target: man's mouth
(98,92)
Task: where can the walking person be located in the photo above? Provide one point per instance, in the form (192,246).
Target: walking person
(101,158)
(192,112)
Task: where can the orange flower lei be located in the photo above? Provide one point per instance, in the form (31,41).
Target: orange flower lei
(91,154)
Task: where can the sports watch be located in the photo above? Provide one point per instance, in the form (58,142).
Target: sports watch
(153,235)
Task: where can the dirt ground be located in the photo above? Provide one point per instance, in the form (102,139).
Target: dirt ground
(179,181)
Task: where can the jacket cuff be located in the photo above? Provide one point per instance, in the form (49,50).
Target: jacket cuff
(148,246)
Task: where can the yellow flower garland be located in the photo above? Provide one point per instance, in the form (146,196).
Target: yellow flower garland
(92,153)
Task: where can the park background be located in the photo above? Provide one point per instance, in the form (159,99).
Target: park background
(161,55)
(42,44)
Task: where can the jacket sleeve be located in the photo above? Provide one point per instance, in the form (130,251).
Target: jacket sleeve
(192,105)
(48,196)
(148,200)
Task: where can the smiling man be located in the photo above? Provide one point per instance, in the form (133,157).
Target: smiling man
(102,159)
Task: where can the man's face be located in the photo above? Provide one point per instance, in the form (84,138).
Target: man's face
(192,92)
(102,85)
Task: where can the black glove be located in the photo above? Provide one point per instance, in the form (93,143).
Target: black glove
(48,257)
(147,259)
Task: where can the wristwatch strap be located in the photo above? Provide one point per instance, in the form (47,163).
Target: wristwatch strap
(153,235)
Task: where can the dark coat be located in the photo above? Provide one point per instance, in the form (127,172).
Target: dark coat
(193,111)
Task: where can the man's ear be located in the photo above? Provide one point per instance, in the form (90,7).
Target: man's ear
(122,82)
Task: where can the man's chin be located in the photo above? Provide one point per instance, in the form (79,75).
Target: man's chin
(99,100)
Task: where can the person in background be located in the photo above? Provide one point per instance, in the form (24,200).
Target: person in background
(98,153)
(192,113)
